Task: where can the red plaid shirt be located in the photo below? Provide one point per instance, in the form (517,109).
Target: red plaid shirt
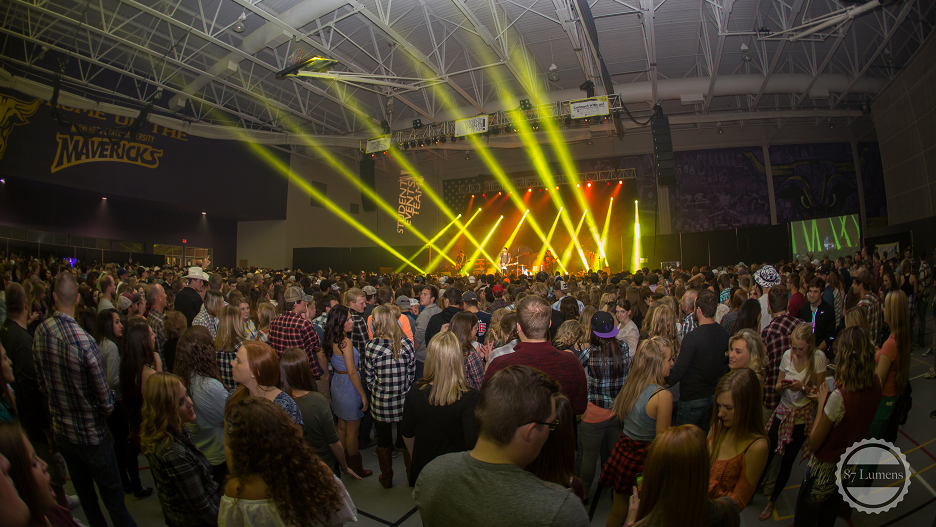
(290,330)
(872,306)
(777,339)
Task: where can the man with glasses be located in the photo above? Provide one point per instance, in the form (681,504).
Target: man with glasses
(515,414)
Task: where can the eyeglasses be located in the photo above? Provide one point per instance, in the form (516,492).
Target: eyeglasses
(552,426)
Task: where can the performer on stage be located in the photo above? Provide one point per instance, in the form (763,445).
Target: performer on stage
(460,261)
(548,262)
(504,260)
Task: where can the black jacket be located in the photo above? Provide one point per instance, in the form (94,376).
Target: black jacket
(440,319)
(188,302)
(825,323)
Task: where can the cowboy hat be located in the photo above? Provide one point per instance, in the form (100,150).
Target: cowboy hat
(196,273)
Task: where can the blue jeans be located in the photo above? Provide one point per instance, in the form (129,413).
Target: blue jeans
(88,465)
(697,412)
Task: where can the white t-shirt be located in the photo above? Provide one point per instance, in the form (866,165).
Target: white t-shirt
(835,407)
(790,398)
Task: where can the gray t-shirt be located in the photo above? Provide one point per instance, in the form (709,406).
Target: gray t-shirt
(456,489)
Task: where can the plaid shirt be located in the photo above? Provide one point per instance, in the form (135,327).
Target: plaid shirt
(496,304)
(225,369)
(157,321)
(70,373)
(872,307)
(777,339)
(925,281)
(205,319)
(388,380)
(603,385)
(188,493)
(358,332)
(474,369)
(320,321)
(688,324)
(290,330)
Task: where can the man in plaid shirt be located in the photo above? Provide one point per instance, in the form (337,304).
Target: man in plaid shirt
(357,301)
(156,318)
(862,286)
(70,373)
(293,330)
(688,306)
(776,337)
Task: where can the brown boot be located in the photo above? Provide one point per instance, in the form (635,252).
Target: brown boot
(386,467)
(357,465)
(407,460)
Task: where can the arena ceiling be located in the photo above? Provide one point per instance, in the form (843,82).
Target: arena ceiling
(215,61)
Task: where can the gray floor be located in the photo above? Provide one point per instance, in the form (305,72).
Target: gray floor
(917,440)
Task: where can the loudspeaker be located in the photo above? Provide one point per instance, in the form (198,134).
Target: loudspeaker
(663,148)
(368,179)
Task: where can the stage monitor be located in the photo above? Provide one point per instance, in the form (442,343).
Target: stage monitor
(832,237)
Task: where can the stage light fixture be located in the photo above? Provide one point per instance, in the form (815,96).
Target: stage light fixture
(525,104)
(495,130)
(204,213)
(417,124)
(443,139)
(385,126)
(529,190)
(608,183)
(498,193)
(620,182)
(239,25)
(553,73)
(104,198)
(535,125)
(589,184)
(577,185)
(420,142)
(483,195)
(454,138)
(467,157)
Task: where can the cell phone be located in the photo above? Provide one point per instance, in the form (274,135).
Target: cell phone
(786,381)
(830,382)
(639,481)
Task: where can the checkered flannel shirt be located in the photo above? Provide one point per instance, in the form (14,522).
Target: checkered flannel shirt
(776,337)
(359,333)
(603,385)
(688,324)
(187,491)
(474,369)
(290,330)
(157,321)
(225,368)
(873,310)
(71,374)
(388,380)
(925,279)
(203,318)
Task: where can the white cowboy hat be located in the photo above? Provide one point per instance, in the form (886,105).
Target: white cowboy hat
(197,273)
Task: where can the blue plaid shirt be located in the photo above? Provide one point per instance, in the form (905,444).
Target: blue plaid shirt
(603,384)
(70,373)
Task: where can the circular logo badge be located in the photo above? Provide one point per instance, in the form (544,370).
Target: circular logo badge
(874,476)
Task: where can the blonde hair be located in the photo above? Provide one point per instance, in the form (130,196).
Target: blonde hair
(265,314)
(647,369)
(445,370)
(569,333)
(663,324)
(757,351)
(897,313)
(214,301)
(854,359)
(585,323)
(607,303)
(855,317)
(353,294)
(387,327)
(804,333)
(494,333)
(160,413)
(230,329)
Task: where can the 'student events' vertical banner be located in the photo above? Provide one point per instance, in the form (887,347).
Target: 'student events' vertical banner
(406,194)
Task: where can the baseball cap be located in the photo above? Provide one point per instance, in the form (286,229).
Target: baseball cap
(123,303)
(823,269)
(471,279)
(564,286)
(121,272)
(469,296)
(402,302)
(602,324)
(294,294)
(369,290)
(767,276)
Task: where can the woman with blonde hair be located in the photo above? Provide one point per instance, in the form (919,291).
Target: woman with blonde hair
(746,349)
(265,315)
(494,335)
(389,371)
(675,484)
(438,415)
(607,303)
(893,363)
(845,417)
(663,324)
(230,335)
(644,409)
(273,474)
(569,337)
(187,491)
(802,370)
(585,322)
(737,443)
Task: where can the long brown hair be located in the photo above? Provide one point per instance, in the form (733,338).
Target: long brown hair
(283,460)
(676,477)
(897,312)
(230,329)
(746,395)
(160,411)
(387,326)
(195,354)
(462,324)
(294,371)
(13,447)
(263,364)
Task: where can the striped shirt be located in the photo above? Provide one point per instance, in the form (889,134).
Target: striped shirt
(71,374)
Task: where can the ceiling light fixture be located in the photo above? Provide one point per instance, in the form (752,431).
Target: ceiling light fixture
(239,25)
(553,73)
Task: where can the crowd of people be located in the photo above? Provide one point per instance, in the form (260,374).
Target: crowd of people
(253,392)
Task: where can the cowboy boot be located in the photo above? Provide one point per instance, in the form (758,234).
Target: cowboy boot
(357,465)
(386,467)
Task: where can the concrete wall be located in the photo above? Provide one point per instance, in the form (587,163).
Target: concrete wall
(262,243)
(905,117)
